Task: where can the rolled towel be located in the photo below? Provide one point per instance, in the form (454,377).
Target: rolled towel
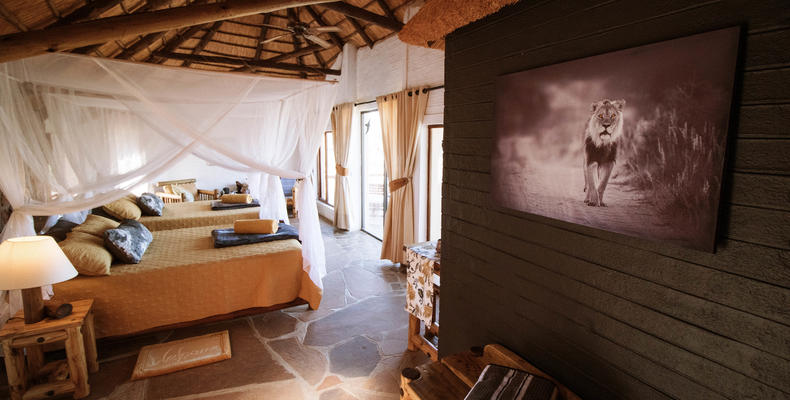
(236,198)
(255,226)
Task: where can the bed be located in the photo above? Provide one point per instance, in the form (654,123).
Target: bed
(193,214)
(183,278)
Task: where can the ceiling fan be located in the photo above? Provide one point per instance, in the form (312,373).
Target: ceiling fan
(304,31)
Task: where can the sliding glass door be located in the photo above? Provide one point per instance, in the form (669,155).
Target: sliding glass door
(374,176)
(435,136)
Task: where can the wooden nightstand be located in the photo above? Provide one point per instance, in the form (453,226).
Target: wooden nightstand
(32,379)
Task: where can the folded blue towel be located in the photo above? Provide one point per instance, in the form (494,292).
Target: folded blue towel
(227,237)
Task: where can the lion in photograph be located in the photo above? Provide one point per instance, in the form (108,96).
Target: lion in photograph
(603,130)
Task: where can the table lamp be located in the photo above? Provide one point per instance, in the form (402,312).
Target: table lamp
(28,263)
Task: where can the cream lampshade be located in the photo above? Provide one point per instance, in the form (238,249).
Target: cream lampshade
(30,262)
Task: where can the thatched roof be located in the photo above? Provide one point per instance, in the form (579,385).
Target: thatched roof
(234,44)
(438,18)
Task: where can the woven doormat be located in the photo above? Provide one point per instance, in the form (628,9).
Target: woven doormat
(164,358)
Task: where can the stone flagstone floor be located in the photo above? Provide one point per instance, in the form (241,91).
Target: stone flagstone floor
(353,347)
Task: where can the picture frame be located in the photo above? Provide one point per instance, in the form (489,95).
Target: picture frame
(631,141)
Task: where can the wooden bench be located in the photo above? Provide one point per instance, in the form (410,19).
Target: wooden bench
(454,376)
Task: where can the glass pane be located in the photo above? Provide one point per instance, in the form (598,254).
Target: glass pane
(374,179)
(435,181)
(331,171)
(322,180)
(318,171)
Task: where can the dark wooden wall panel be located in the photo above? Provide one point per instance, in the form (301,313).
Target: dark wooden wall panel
(614,316)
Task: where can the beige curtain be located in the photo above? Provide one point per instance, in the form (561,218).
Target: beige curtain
(401,115)
(341,125)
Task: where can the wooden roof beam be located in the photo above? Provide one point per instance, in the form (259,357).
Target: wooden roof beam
(87,11)
(387,9)
(239,62)
(320,20)
(204,41)
(174,42)
(31,43)
(297,43)
(144,41)
(264,30)
(364,15)
(316,53)
(12,19)
(139,45)
(361,31)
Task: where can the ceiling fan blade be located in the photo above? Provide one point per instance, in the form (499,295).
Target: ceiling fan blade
(320,29)
(273,38)
(279,28)
(317,40)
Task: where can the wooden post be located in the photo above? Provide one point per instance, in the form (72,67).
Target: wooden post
(414,333)
(31,43)
(15,368)
(89,335)
(35,359)
(75,354)
(33,304)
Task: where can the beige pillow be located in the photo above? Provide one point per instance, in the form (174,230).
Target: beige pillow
(124,208)
(187,191)
(237,198)
(266,226)
(96,225)
(87,253)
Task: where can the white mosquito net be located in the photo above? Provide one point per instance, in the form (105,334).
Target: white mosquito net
(77,132)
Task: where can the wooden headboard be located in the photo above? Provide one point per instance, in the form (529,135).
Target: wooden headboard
(177,182)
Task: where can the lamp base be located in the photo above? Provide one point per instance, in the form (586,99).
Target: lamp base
(33,304)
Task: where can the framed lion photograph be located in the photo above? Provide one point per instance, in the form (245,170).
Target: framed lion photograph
(631,141)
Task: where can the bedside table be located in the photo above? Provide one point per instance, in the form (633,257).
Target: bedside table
(32,378)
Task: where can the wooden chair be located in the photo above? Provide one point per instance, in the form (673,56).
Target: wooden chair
(290,192)
(189,185)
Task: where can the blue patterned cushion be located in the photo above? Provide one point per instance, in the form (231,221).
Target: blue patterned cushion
(150,204)
(128,242)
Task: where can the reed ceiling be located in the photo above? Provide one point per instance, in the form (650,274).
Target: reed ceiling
(251,44)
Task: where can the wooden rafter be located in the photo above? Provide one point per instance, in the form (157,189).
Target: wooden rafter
(139,45)
(292,20)
(87,11)
(237,62)
(364,15)
(387,10)
(174,42)
(143,42)
(316,52)
(7,15)
(204,41)
(264,30)
(297,53)
(320,21)
(53,9)
(361,31)
(27,44)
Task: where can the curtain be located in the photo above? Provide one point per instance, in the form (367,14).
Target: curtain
(77,132)
(341,125)
(401,114)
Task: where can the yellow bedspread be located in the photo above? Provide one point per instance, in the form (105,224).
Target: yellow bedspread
(195,213)
(182,278)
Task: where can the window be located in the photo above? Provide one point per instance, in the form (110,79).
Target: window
(325,170)
(375,193)
(435,135)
